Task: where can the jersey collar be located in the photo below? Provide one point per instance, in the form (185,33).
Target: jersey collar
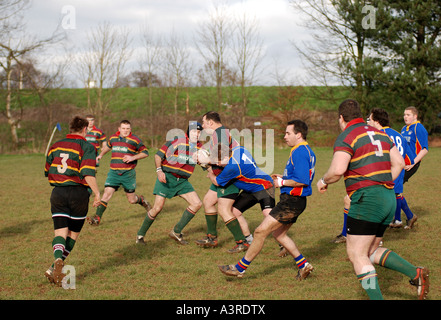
(354,121)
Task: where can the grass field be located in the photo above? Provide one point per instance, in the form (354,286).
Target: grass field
(110,266)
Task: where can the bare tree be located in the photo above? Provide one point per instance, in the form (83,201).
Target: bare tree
(213,42)
(178,66)
(247,49)
(150,64)
(15,45)
(101,65)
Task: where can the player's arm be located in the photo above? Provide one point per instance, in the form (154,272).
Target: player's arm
(338,167)
(106,148)
(91,181)
(159,172)
(397,162)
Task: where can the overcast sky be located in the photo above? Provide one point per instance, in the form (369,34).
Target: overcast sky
(279,24)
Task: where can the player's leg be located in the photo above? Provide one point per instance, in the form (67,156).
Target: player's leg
(194,204)
(225,208)
(150,218)
(211,216)
(107,195)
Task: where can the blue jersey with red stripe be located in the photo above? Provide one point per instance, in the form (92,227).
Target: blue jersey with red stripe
(243,171)
(417,139)
(402,147)
(300,167)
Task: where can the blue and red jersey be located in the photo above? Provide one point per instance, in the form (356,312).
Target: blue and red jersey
(417,139)
(300,167)
(243,171)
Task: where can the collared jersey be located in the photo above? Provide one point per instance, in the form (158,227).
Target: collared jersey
(243,171)
(130,145)
(402,147)
(369,149)
(177,156)
(69,160)
(300,167)
(417,139)
(96,137)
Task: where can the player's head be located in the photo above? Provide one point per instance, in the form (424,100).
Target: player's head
(410,115)
(210,119)
(296,132)
(379,116)
(91,119)
(349,110)
(78,125)
(194,130)
(125,128)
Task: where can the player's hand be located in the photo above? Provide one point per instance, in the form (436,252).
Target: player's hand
(321,186)
(127,158)
(161,177)
(97,200)
(408,167)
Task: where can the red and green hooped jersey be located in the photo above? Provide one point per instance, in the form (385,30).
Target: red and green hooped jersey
(96,137)
(369,149)
(130,145)
(177,156)
(69,160)
(417,139)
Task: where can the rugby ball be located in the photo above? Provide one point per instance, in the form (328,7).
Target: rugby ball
(203,158)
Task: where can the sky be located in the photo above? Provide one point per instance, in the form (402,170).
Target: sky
(278,21)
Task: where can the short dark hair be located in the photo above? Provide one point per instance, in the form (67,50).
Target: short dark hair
(77,124)
(413,110)
(350,110)
(212,115)
(299,126)
(90,116)
(124,122)
(381,116)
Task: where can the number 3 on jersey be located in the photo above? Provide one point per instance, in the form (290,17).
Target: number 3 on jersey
(63,167)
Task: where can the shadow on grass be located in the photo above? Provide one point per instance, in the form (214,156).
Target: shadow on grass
(20,229)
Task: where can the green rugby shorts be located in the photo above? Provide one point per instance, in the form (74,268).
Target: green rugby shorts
(127,180)
(174,187)
(373,204)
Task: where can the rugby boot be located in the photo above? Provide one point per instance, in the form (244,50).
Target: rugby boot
(209,241)
(179,238)
(230,270)
(304,272)
(240,246)
(421,281)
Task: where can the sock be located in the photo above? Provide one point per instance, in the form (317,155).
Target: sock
(148,220)
(406,209)
(70,243)
(345,214)
(393,261)
(185,219)
(369,282)
(234,227)
(399,198)
(211,219)
(101,208)
(242,265)
(249,238)
(300,261)
(58,245)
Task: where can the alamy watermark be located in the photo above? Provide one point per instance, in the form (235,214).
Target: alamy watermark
(69,21)
(369,21)
(69,280)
